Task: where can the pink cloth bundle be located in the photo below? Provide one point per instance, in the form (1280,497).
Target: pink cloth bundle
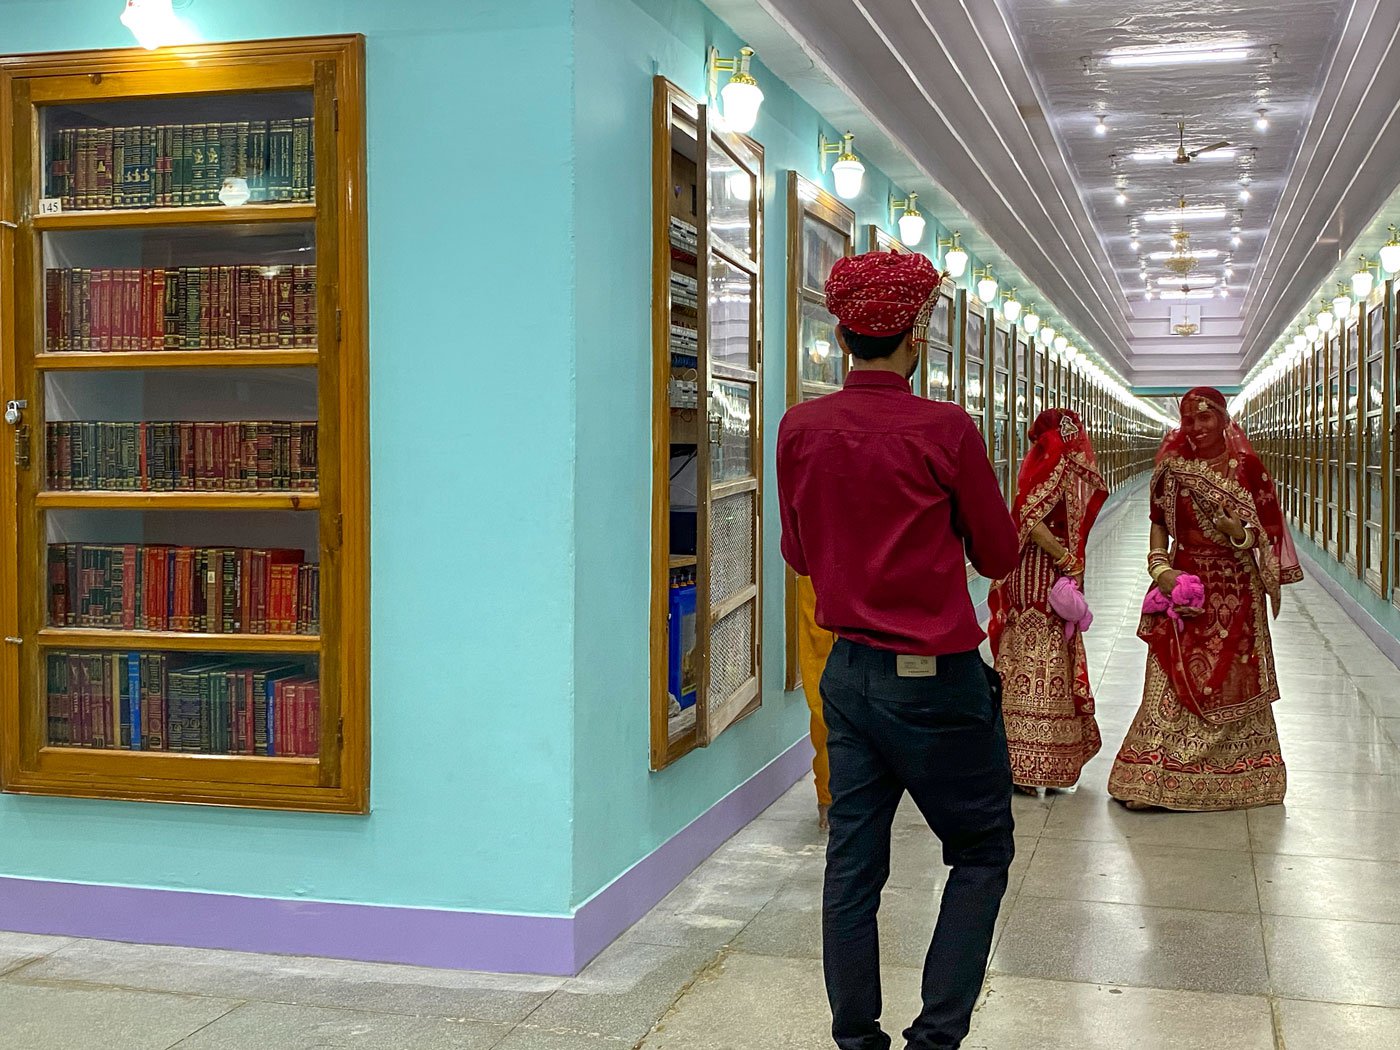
(1068,603)
(1187,593)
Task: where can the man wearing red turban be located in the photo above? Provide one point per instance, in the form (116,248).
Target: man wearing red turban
(882,493)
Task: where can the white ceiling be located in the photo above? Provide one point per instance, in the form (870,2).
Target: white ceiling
(985,107)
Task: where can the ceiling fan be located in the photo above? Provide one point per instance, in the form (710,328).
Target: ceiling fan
(1182,156)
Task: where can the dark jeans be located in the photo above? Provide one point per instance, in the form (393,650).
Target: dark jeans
(942,740)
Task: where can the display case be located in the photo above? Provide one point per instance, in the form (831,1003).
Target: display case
(820,230)
(1040,397)
(1332,480)
(1022,384)
(184,349)
(1350,450)
(1000,407)
(707,396)
(1374,556)
(972,355)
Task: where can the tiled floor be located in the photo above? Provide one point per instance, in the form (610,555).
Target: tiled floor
(1269,929)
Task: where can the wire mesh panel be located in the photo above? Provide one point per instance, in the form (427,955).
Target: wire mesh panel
(731,655)
(731,546)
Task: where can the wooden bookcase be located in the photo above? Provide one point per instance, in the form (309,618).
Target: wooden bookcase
(183,250)
(820,230)
(707,425)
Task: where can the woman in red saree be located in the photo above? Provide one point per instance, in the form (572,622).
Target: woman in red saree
(1047,703)
(1204,737)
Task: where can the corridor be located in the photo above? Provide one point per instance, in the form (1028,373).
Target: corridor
(1276,928)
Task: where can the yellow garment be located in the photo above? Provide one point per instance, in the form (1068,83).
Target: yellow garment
(813,647)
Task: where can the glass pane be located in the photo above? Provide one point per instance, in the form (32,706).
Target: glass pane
(204,703)
(732,191)
(1023,403)
(683,660)
(731,315)
(821,358)
(1353,394)
(1372,448)
(1001,348)
(940,375)
(207,572)
(181,429)
(1002,394)
(731,457)
(246,287)
(976,333)
(940,323)
(975,403)
(1022,359)
(1000,434)
(821,247)
(177,152)
(1375,500)
(1373,549)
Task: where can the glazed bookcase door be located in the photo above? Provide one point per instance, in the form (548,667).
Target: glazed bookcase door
(184,304)
(729,528)
(1317,484)
(1375,450)
(941,374)
(820,230)
(1021,403)
(1332,459)
(1000,406)
(678,336)
(1351,448)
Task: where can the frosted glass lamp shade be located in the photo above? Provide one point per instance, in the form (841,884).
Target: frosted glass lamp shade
(1390,258)
(1011,310)
(955,262)
(741,97)
(911,227)
(1031,323)
(1361,284)
(152,22)
(987,289)
(848,174)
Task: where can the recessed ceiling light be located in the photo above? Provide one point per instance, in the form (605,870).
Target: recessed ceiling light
(1191,211)
(1194,282)
(1178,54)
(1263,122)
(1235,241)
(1244,194)
(1102,127)
(1122,198)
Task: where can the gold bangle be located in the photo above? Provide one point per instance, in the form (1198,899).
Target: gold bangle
(1159,571)
(1245,542)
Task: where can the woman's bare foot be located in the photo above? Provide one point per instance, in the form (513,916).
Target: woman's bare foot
(823,817)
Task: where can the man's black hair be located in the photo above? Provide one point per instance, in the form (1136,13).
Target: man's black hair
(872,347)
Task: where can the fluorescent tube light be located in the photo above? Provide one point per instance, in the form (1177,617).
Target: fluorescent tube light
(1177,54)
(1191,211)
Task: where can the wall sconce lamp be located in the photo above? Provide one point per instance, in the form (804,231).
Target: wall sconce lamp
(986,284)
(1011,307)
(848,172)
(1325,318)
(955,260)
(911,223)
(153,22)
(1031,322)
(1390,252)
(1362,281)
(1341,303)
(741,96)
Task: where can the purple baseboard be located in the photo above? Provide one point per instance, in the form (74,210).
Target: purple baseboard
(534,944)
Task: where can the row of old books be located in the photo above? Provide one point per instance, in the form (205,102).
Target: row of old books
(182,702)
(180,456)
(210,590)
(242,307)
(174,165)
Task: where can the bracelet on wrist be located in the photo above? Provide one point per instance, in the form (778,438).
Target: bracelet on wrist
(1159,571)
(1244,542)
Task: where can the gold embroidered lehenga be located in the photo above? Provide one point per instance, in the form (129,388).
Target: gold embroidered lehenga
(1204,737)
(1047,703)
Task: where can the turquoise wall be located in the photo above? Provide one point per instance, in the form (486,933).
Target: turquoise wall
(622,811)
(1379,609)
(510,426)
(471,373)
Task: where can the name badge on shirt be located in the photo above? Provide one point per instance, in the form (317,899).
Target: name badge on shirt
(916,666)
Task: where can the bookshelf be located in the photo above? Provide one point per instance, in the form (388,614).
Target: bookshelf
(707,426)
(183,293)
(820,230)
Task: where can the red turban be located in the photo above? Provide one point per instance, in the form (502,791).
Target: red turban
(880,293)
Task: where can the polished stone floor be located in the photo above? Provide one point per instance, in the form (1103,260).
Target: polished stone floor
(1276,928)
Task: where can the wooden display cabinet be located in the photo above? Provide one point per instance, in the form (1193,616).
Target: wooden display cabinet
(707,426)
(820,230)
(184,300)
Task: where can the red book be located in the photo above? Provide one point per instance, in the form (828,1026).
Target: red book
(180,619)
(313,717)
(131,329)
(130,552)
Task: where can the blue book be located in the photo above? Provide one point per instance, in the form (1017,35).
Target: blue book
(133,689)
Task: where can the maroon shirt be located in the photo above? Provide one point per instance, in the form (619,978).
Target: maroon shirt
(881,492)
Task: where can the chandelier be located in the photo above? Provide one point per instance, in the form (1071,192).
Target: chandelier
(1181,262)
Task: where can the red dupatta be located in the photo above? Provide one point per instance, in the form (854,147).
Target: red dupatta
(1059,466)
